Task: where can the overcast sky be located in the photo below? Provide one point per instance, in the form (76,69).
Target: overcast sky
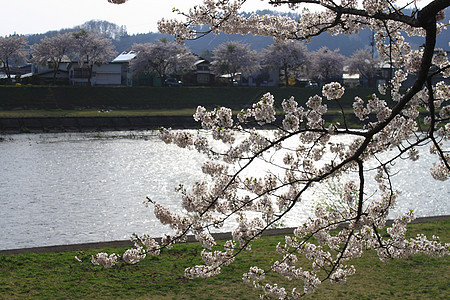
(139,16)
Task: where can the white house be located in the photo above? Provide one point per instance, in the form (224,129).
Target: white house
(111,74)
(123,59)
(106,74)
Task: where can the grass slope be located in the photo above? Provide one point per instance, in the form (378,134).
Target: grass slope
(58,275)
(155,98)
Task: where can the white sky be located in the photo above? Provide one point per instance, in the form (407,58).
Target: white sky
(139,16)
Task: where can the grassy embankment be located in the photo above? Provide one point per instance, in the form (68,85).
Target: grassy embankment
(59,276)
(42,101)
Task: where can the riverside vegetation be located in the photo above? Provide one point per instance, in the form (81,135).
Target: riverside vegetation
(59,102)
(59,275)
(14,98)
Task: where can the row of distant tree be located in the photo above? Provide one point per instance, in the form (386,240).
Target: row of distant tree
(293,60)
(88,48)
(290,57)
(166,58)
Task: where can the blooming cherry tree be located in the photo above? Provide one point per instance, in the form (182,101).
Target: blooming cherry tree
(12,50)
(232,58)
(303,150)
(363,63)
(326,64)
(288,56)
(52,50)
(162,57)
(92,49)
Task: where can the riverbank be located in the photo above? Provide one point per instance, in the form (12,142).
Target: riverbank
(217,236)
(65,97)
(59,276)
(90,124)
(14,125)
(63,109)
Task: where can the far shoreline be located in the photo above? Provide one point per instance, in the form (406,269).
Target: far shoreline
(60,124)
(94,124)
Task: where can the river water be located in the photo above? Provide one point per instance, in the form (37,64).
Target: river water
(89,187)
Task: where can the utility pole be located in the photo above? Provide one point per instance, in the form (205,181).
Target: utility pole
(372,44)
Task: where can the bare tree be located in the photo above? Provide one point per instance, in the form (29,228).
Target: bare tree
(232,58)
(92,49)
(288,56)
(12,51)
(52,50)
(163,58)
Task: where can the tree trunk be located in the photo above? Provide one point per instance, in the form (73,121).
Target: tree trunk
(55,71)
(286,77)
(90,68)
(8,72)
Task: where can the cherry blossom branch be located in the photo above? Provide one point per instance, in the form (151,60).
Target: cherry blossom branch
(433,124)
(259,201)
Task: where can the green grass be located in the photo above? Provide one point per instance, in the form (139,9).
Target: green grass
(45,101)
(154,98)
(59,276)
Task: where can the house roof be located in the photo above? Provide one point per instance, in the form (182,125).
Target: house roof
(347,76)
(200,61)
(125,57)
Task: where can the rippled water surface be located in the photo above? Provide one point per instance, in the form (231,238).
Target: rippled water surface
(84,187)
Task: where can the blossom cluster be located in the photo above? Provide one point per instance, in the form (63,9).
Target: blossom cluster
(314,116)
(294,114)
(213,262)
(104,260)
(333,91)
(133,256)
(263,111)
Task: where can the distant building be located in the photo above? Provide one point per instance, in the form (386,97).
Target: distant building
(46,72)
(123,59)
(106,74)
(351,80)
(16,71)
(265,77)
(202,73)
(114,73)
